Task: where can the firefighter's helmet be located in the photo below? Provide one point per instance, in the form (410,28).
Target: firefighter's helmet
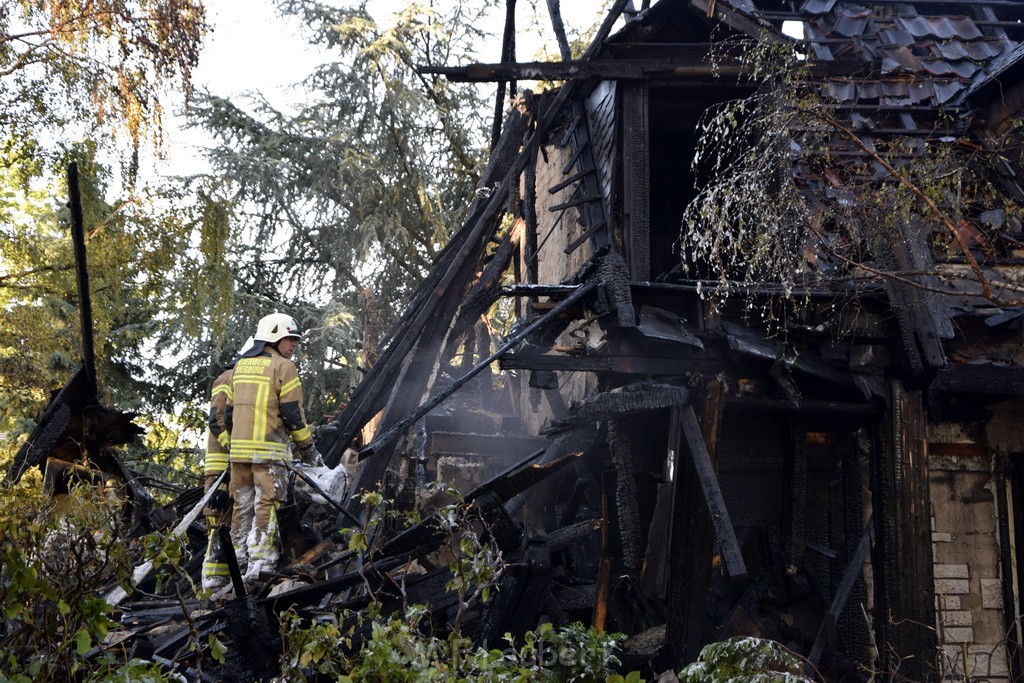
(275,327)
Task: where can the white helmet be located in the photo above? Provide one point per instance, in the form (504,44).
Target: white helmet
(275,327)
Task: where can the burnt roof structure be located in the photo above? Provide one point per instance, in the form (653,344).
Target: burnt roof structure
(808,487)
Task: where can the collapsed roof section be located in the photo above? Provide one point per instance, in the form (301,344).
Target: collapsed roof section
(710,442)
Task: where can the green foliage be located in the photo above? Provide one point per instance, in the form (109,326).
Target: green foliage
(77,66)
(58,557)
(745,660)
(358,187)
(399,649)
(52,568)
(142,270)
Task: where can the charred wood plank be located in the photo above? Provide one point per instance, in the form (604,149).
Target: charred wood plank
(628,514)
(234,571)
(707,363)
(732,558)
(842,593)
(629,400)
(569,70)
(979,378)
(557,187)
(574,202)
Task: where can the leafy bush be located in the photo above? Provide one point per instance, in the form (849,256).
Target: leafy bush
(57,557)
(745,660)
(398,650)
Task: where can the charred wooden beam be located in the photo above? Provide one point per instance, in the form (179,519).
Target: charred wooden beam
(629,400)
(977,378)
(902,562)
(82,275)
(602,69)
(628,514)
(732,558)
(705,363)
(555,12)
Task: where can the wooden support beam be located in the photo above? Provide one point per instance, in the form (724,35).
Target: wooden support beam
(602,69)
(902,562)
(82,274)
(732,558)
(706,364)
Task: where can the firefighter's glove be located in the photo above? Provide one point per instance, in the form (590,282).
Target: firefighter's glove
(311,456)
(326,431)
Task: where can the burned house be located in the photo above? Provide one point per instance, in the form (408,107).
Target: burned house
(656,459)
(850,487)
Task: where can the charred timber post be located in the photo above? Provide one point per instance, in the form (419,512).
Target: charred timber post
(439,397)
(726,535)
(555,11)
(82,271)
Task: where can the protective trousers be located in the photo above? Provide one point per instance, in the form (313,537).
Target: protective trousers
(258,489)
(215,564)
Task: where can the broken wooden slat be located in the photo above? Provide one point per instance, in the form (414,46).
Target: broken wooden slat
(574,202)
(726,535)
(581,240)
(842,592)
(570,180)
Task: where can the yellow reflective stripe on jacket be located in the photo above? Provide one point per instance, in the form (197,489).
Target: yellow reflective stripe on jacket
(290,386)
(300,435)
(224,439)
(245,450)
(261,386)
(222,389)
(215,463)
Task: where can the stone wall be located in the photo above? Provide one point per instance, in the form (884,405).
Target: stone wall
(965,548)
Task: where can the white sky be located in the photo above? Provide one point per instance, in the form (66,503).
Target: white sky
(252,48)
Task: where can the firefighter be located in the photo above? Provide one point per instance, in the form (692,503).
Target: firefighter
(218,511)
(264,413)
